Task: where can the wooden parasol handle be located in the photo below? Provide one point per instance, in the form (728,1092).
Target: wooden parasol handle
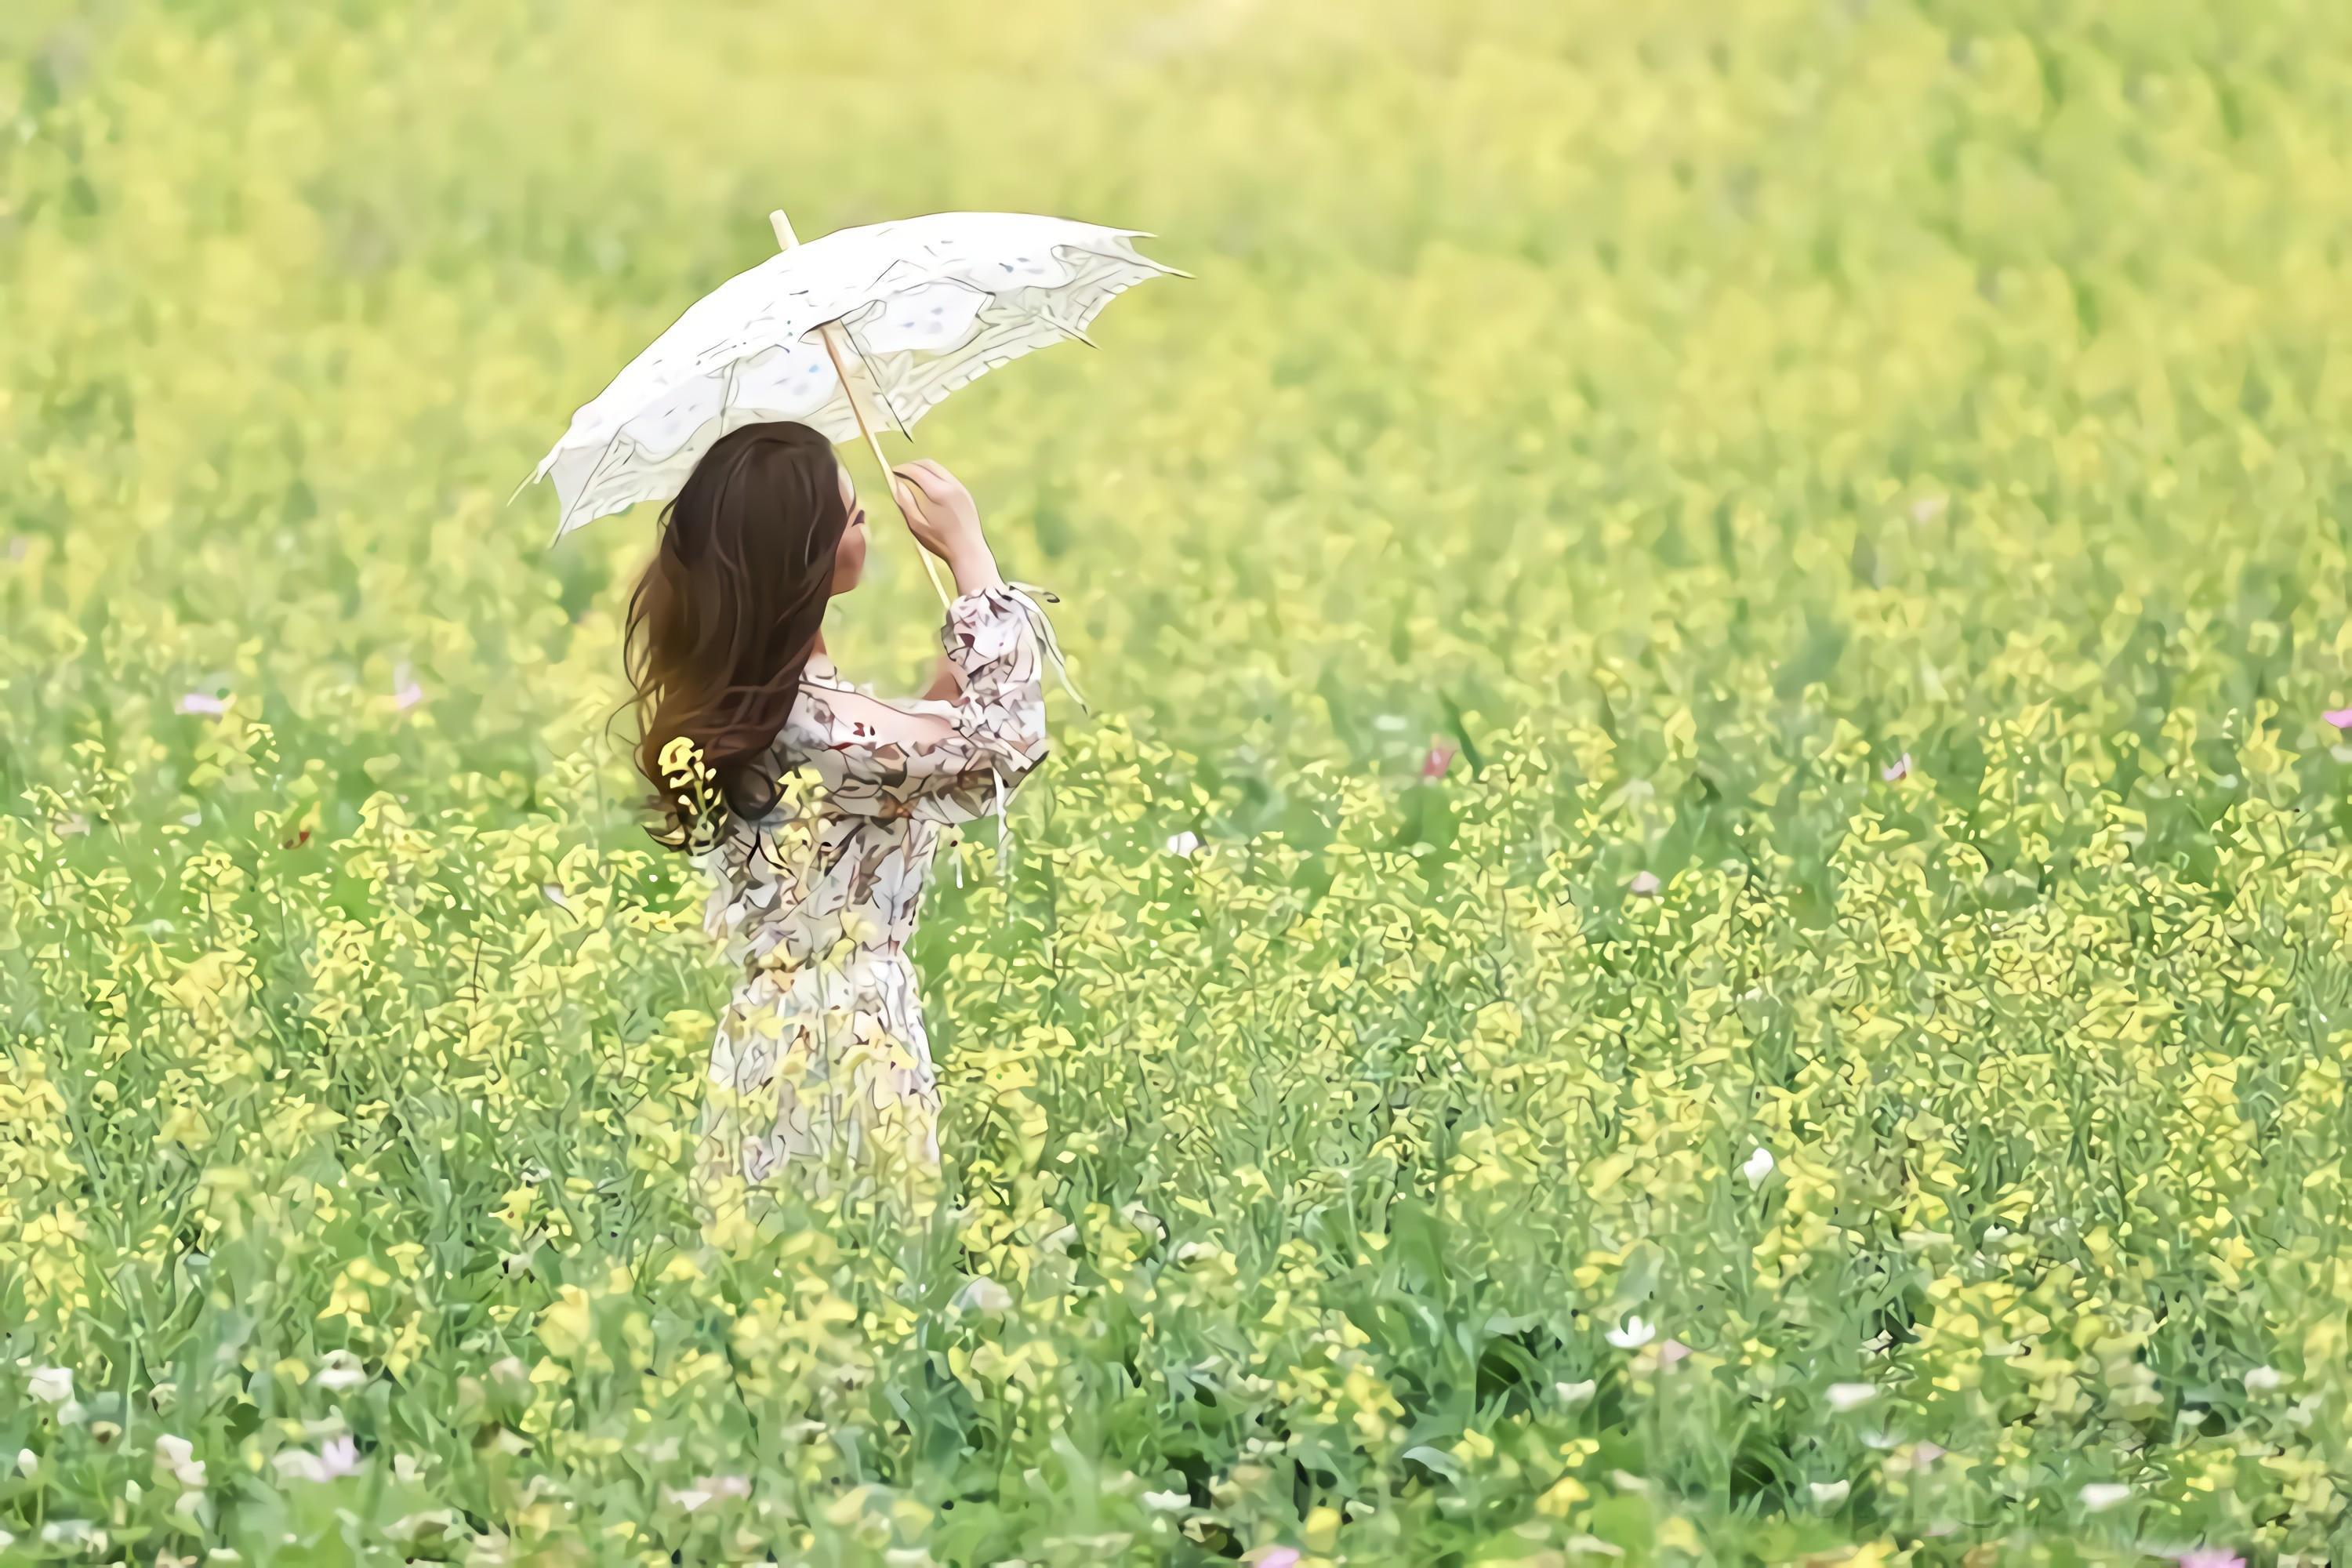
(831,335)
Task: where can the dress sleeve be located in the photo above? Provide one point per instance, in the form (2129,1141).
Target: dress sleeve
(960,759)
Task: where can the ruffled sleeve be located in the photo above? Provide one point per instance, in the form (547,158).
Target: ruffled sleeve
(998,640)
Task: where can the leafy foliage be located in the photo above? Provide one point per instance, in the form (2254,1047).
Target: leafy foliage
(1740,599)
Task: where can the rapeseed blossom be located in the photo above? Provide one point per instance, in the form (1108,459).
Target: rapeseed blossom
(1709,714)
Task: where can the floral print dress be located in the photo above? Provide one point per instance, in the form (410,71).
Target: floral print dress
(821,1066)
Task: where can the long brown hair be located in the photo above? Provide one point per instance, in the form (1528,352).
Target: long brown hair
(724,616)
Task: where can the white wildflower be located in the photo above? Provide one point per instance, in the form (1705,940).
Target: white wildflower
(1632,1333)
(1846,1396)
(338,1459)
(178,1456)
(984,1295)
(343,1370)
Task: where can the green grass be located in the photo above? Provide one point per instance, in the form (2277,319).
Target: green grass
(1685,412)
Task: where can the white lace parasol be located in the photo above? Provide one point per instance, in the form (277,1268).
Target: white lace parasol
(914,309)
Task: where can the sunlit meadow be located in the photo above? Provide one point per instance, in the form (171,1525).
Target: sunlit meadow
(1698,918)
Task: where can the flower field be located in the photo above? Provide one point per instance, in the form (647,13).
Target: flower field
(1701,916)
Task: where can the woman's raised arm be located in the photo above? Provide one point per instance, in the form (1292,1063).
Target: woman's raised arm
(877,760)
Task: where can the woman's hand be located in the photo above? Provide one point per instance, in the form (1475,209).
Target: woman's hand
(940,515)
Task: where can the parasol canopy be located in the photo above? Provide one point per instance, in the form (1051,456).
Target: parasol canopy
(912,310)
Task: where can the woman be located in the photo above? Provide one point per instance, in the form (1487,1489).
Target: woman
(821,1066)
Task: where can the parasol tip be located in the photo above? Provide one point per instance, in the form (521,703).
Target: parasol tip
(785,238)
